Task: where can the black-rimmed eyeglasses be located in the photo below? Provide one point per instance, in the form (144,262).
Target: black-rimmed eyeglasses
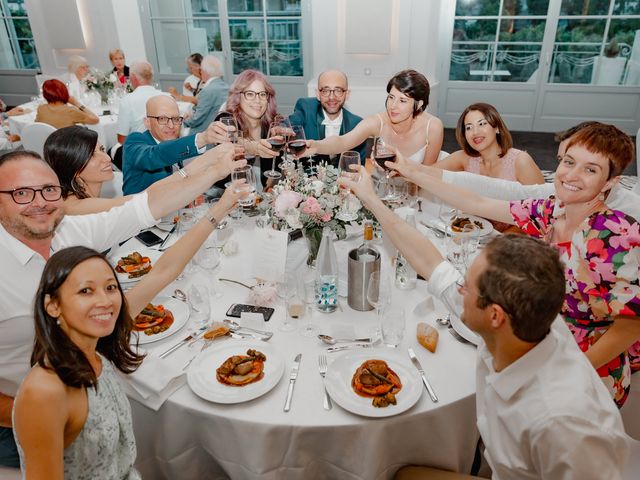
(24,195)
(337,92)
(251,95)
(164,120)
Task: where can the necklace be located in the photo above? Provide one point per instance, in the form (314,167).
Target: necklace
(401,134)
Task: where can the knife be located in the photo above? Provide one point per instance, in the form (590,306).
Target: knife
(192,336)
(292,380)
(173,229)
(416,363)
(339,348)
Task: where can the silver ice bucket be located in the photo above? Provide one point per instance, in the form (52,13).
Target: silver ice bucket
(359,272)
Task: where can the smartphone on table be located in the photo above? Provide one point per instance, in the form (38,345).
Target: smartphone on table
(236,309)
(149,238)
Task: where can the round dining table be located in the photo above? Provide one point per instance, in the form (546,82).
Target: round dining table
(189,437)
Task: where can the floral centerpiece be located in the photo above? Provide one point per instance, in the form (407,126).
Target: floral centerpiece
(104,83)
(310,202)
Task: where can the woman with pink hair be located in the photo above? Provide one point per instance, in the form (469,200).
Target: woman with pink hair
(252,103)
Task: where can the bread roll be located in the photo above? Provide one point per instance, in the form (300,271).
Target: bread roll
(427,336)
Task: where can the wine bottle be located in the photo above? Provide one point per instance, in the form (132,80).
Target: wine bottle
(327,274)
(406,276)
(366,251)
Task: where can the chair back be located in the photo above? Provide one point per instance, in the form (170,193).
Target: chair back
(33,136)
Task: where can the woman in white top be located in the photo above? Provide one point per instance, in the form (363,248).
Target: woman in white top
(405,123)
(78,68)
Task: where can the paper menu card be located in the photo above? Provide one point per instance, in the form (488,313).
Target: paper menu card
(270,254)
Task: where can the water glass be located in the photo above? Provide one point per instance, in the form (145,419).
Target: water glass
(379,295)
(288,291)
(232,128)
(393,325)
(247,174)
(307,287)
(199,305)
(187,219)
(458,243)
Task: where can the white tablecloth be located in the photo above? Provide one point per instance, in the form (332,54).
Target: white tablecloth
(190,438)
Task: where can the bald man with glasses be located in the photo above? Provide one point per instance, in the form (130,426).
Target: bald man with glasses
(154,154)
(325,115)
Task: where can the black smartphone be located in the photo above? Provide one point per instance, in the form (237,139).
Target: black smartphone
(237,308)
(149,238)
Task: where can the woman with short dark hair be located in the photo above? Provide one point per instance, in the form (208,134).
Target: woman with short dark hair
(61,109)
(405,123)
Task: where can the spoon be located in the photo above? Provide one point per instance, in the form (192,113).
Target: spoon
(328,339)
(179,295)
(445,322)
(234,326)
(239,283)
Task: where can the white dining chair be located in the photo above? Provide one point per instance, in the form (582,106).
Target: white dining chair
(7,473)
(34,135)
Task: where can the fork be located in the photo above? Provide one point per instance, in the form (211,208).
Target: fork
(322,367)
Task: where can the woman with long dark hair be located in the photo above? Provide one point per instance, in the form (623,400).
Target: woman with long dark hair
(71,418)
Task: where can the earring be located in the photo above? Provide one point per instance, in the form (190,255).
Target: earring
(58,322)
(601,197)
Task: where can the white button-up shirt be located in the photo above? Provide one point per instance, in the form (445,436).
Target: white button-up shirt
(22,268)
(133,109)
(548,414)
(332,127)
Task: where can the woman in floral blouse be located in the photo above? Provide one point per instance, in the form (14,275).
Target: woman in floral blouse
(600,247)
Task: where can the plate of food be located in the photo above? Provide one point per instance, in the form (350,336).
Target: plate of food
(158,320)
(373,383)
(235,372)
(479,226)
(132,264)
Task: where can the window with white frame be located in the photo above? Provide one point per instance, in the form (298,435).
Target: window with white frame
(17,48)
(261,34)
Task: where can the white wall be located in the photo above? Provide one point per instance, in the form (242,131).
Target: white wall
(414,43)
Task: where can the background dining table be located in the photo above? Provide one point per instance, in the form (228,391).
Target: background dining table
(192,438)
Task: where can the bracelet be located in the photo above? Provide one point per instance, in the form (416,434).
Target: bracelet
(183,173)
(213,221)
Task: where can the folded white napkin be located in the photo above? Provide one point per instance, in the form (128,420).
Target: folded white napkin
(154,381)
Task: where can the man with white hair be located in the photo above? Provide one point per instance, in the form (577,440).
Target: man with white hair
(211,97)
(77,70)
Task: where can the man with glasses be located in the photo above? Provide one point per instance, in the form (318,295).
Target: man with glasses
(131,111)
(325,115)
(542,410)
(213,93)
(154,154)
(33,226)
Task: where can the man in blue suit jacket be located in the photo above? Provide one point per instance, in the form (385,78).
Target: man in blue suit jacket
(325,115)
(150,155)
(212,95)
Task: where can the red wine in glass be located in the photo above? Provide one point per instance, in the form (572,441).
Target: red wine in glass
(385,157)
(297,146)
(276,143)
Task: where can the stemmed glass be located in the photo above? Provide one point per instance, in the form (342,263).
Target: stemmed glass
(279,130)
(232,128)
(382,153)
(307,286)
(297,144)
(344,165)
(288,290)
(247,174)
(379,295)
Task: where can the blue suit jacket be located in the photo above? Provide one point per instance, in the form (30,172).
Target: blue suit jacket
(144,161)
(210,99)
(308,113)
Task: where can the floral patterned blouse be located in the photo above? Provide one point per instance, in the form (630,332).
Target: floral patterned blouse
(601,263)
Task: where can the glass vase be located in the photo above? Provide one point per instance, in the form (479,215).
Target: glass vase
(313,237)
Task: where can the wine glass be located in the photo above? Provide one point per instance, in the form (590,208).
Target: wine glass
(277,138)
(231,127)
(344,165)
(393,325)
(382,153)
(288,290)
(379,294)
(297,142)
(199,305)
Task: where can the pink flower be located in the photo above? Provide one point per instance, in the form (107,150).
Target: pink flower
(627,235)
(326,217)
(311,206)
(286,200)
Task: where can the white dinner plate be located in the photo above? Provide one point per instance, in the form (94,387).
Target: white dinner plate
(154,255)
(464,331)
(486,229)
(340,373)
(180,312)
(201,376)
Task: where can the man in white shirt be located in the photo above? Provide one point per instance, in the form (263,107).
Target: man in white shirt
(33,226)
(132,109)
(542,410)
